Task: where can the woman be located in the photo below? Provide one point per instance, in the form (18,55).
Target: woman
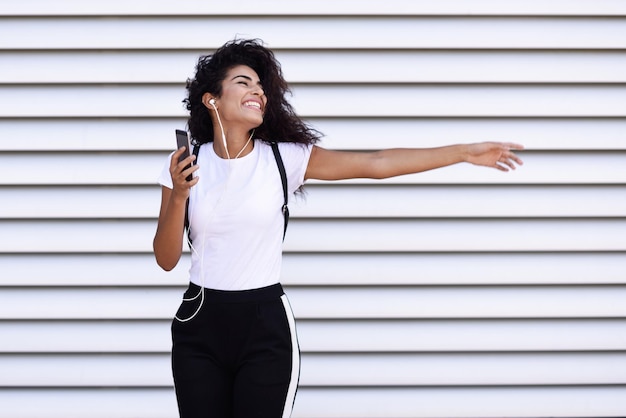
(235,352)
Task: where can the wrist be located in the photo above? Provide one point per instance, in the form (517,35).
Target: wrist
(464,153)
(178,198)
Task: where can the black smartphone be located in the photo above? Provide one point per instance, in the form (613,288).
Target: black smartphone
(183,141)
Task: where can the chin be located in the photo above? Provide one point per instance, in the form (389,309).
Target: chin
(257,123)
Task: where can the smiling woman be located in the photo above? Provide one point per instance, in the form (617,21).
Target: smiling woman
(235,351)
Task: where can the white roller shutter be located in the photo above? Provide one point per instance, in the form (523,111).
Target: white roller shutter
(461,292)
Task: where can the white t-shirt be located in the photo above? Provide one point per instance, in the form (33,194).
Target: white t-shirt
(235,215)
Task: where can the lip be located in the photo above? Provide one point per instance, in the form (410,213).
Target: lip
(260,103)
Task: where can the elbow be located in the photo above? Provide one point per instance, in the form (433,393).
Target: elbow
(378,168)
(165,260)
(166,266)
(165,263)
(379,173)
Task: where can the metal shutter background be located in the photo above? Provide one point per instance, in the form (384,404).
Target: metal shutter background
(461,292)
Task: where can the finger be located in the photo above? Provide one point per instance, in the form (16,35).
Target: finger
(187,161)
(517,159)
(178,153)
(189,171)
(513,145)
(175,156)
(499,166)
(509,163)
(193,181)
(182,165)
(511,156)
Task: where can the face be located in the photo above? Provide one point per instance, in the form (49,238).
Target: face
(243,99)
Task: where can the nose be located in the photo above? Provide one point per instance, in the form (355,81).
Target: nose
(258,90)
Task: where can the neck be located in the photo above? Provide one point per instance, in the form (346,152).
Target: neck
(234,148)
(243,149)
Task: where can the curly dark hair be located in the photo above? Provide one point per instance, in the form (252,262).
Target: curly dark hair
(280,122)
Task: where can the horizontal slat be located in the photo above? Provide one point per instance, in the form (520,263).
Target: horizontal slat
(460,269)
(536,134)
(484,402)
(88,402)
(99,370)
(466,335)
(337,201)
(338,235)
(90,134)
(338,336)
(143,168)
(332,303)
(458,235)
(112,101)
(329,269)
(89,270)
(85,337)
(395,369)
(463,369)
(340,133)
(81,202)
(436,302)
(330,100)
(383,402)
(377,66)
(308,7)
(193,32)
(460,100)
(372,201)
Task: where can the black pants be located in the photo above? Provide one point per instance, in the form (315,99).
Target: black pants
(238,357)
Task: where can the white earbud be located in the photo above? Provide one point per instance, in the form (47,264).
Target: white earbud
(212,103)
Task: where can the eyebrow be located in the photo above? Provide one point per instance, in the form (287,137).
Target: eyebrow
(246,77)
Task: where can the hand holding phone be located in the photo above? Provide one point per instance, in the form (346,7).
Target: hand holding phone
(183,141)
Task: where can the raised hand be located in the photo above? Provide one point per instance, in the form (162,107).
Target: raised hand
(180,170)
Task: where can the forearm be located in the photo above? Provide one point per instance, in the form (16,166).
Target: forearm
(400,161)
(168,240)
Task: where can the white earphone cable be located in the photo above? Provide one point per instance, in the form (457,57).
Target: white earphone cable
(211,214)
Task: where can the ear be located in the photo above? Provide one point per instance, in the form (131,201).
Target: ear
(209,101)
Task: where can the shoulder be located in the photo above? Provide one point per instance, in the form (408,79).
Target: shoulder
(294,150)
(288,150)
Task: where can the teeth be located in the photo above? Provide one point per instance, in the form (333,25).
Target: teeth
(254,104)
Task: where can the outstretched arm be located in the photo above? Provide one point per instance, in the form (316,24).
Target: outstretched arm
(339,165)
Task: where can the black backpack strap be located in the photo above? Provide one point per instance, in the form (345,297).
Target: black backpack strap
(283,178)
(196,150)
